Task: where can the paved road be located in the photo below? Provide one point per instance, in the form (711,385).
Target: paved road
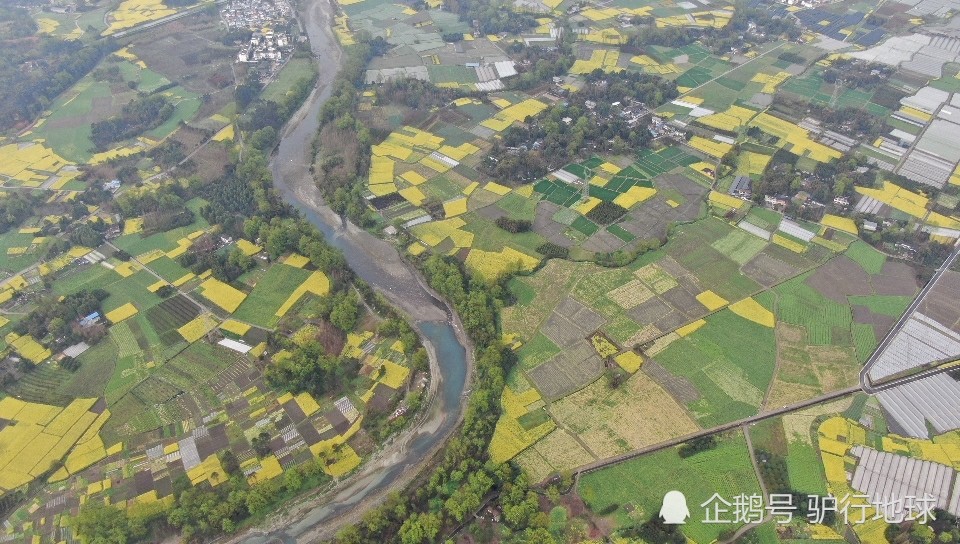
(163,21)
(746,422)
(865,381)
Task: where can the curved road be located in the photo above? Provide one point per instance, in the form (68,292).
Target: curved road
(378,263)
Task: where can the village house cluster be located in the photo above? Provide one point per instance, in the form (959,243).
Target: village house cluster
(256,14)
(267,45)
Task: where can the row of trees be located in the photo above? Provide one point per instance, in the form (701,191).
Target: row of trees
(136,117)
(198,513)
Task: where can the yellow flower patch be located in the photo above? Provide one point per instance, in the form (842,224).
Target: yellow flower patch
(840,223)
(235,327)
(28,348)
(121,313)
(691,328)
(248,248)
(307,403)
(221,294)
(155,286)
(711,300)
(629,361)
(749,308)
(491,265)
(347,460)
(792,245)
(296,260)
(725,200)
(634,195)
(126,269)
(317,283)
(453,208)
(584,207)
(133,225)
(199,326)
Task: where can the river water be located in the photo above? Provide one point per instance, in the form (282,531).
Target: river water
(378,263)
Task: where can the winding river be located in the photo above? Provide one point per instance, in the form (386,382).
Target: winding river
(378,263)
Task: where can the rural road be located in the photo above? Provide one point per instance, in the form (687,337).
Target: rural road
(746,422)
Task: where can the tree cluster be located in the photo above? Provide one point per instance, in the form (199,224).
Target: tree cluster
(59,319)
(492,16)
(15,207)
(136,117)
(34,72)
(571,130)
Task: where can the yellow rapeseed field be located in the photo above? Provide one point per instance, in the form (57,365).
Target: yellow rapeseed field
(629,361)
(792,245)
(435,232)
(221,294)
(711,300)
(749,308)
(713,148)
(199,326)
(840,223)
(307,403)
(317,283)
(28,348)
(897,197)
(634,195)
(126,311)
(133,12)
(236,327)
(453,208)
(691,328)
(347,460)
(296,260)
(725,200)
(248,248)
(491,265)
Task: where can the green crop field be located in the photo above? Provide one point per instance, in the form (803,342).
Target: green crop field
(641,484)
(892,306)
(865,341)
(716,270)
(870,259)
(131,289)
(261,306)
(730,360)
(740,246)
(128,372)
(804,468)
(489,237)
(536,351)
(126,342)
(293,72)
(800,304)
(168,269)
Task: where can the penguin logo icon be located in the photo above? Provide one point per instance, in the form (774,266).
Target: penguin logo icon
(674,510)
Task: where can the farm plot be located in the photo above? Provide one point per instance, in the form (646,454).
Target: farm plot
(556,452)
(635,489)
(730,360)
(269,294)
(571,369)
(604,418)
(165,318)
(132,289)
